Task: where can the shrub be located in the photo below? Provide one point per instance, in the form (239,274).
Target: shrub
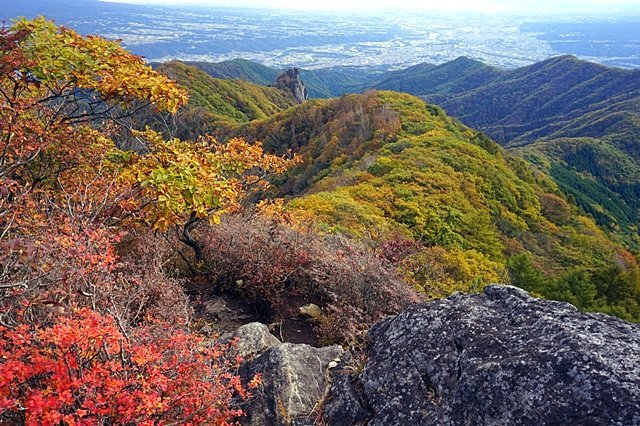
(275,265)
(83,370)
(90,321)
(84,269)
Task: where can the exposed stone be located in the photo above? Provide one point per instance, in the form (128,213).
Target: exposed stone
(344,404)
(216,308)
(290,81)
(224,314)
(313,311)
(497,358)
(295,381)
(252,339)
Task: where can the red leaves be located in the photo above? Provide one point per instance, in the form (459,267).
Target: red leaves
(82,370)
(63,206)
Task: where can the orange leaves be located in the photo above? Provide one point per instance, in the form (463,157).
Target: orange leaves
(239,156)
(65,192)
(204,179)
(82,370)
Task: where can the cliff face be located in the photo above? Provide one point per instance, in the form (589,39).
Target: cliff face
(501,357)
(290,81)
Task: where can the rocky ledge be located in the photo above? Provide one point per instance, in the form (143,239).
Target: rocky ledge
(496,358)
(291,82)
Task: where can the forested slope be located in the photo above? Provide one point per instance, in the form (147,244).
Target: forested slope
(321,83)
(579,120)
(228,100)
(388,167)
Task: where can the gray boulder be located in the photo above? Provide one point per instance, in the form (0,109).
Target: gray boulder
(295,378)
(252,339)
(497,358)
(345,405)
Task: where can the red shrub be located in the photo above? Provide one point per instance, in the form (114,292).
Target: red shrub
(74,269)
(83,370)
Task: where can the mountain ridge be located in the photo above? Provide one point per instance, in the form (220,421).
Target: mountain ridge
(234,100)
(387,165)
(321,83)
(553,100)
(381,165)
(554,103)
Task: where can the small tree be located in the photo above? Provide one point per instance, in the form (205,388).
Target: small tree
(183,183)
(67,197)
(59,189)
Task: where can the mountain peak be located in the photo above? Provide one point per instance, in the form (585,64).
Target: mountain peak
(465,60)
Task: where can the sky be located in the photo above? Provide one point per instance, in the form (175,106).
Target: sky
(575,6)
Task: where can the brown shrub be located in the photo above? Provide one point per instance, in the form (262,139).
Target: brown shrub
(276,266)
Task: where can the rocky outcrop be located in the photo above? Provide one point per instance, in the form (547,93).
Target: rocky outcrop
(345,405)
(252,339)
(295,377)
(497,358)
(291,82)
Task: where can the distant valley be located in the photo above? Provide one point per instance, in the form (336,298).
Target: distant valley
(390,40)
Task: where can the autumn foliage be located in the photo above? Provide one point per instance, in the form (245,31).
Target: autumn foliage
(93,319)
(83,370)
(184,183)
(280,268)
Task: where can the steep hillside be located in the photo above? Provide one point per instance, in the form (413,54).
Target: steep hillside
(239,69)
(584,117)
(602,179)
(336,81)
(580,121)
(559,97)
(229,101)
(388,167)
(439,82)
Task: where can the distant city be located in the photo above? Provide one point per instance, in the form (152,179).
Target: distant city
(319,40)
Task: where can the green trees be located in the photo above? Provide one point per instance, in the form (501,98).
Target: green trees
(524,274)
(612,289)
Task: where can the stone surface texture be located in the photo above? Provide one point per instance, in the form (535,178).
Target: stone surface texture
(296,381)
(497,358)
(502,358)
(290,81)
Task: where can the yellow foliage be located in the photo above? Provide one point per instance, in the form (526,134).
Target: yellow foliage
(64,61)
(200,180)
(439,272)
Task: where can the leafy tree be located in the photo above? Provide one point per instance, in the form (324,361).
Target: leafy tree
(85,78)
(59,190)
(575,287)
(76,331)
(524,274)
(616,284)
(183,183)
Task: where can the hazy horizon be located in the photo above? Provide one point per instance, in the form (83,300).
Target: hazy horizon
(366,37)
(489,6)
